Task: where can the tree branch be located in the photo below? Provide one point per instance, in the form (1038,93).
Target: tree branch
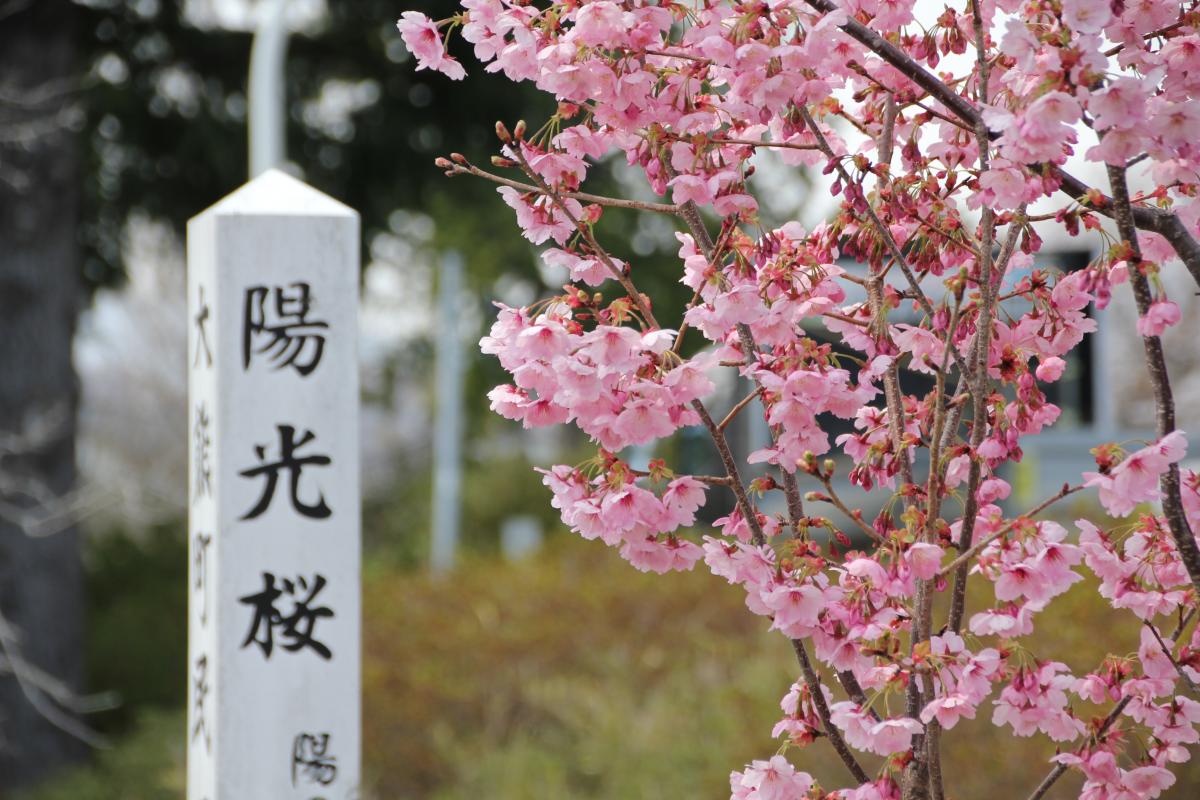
(1156,364)
(453,168)
(815,691)
(731,470)
(885,236)
(634,295)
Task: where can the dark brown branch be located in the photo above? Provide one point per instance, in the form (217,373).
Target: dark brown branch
(733,412)
(1156,364)
(813,682)
(731,470)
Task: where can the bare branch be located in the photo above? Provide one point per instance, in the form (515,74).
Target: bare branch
(52,699)
(731,471)
(733,412)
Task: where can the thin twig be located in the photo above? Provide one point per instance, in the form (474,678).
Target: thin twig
(1005,528)
(733,412)
(634,295)
(832,498)
(885,235)
(454,168)
(752,143)
(1170,657)
(49,697)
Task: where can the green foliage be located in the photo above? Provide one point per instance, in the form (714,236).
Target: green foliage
(137,607)
(147,765)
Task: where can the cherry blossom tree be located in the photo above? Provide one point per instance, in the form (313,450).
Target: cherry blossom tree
(946,139)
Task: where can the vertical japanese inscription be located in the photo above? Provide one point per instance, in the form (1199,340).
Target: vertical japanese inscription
(200,690)
(201,464)
(200,555)
(204,356)
(200,677)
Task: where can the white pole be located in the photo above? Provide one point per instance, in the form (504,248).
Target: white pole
(447,432)
(268,58)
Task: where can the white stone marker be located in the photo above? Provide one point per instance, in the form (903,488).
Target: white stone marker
(274,632)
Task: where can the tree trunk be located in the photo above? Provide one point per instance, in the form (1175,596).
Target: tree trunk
(41,580)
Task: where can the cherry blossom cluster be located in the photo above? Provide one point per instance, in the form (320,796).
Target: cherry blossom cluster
(948,139)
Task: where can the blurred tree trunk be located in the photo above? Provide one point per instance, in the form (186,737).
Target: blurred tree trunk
(41,581)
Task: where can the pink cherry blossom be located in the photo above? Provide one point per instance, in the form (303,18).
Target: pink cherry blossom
(924,559)
(948,710)
(421,36)
(1084,16)
(1051,369)
(1135,479)
(1160,316)
(775,779)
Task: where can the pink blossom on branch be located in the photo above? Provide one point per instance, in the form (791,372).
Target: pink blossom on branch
(901,347)
(1159,317)
(1135,479)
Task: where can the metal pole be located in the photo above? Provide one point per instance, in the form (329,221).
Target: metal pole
(268,58)
(447,431)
